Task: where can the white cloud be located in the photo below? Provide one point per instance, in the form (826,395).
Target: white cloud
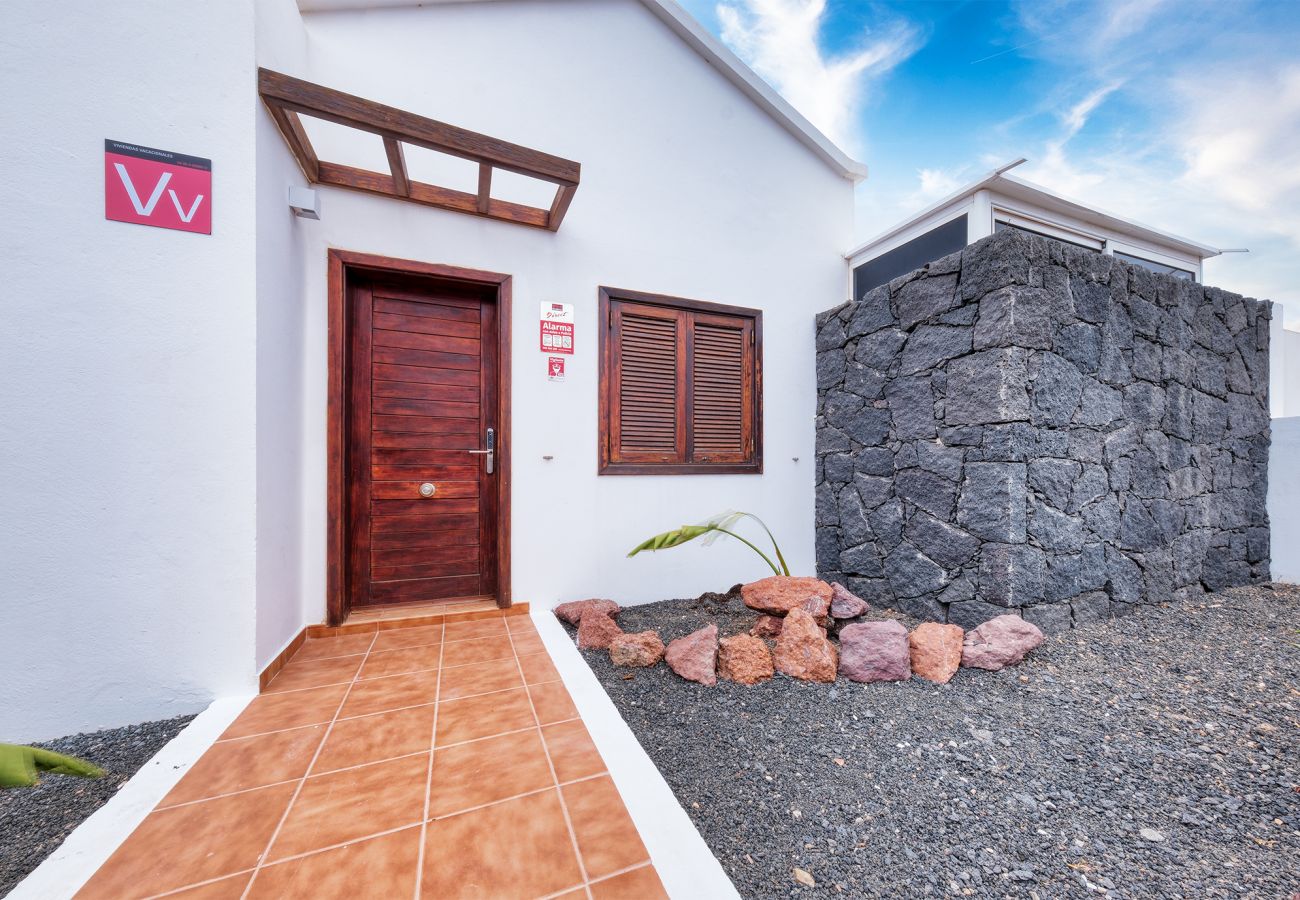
(1106,35)
(937,183)
(1209,143)
(1077,115)
(1222,166)
(1073,120)
(779,39)
(1241,144)
(1123,18)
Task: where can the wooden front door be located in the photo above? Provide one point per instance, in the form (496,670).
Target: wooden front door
(422,488)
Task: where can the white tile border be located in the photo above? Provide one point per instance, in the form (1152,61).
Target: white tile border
(68,868)
(685,864)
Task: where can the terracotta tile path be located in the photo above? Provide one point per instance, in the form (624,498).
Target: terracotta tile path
(436,761)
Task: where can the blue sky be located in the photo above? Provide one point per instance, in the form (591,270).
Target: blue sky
(1182,114)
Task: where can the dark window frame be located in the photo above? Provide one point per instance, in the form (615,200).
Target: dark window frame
(1000,224)
(1154,265)
(610,296)
(934,243)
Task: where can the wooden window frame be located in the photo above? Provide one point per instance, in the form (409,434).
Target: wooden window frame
(754,466)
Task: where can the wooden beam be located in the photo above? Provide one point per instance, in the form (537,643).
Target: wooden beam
(389,122)
(484,187)
(560,206)
(296,137)
(397,165)
(430,195)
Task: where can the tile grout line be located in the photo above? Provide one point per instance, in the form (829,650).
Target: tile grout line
(303,780)
(555,778)
(641,865)
(385,711)
(470,809)
(288,859)
(428,778)
(258,787)
(568,890)
(367,837)
(295,657)
(539,728)
(477,662)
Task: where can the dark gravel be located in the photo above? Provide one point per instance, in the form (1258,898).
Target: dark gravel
(34,821)
(1032,782)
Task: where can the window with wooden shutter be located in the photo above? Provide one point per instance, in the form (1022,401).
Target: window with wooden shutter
(680,386)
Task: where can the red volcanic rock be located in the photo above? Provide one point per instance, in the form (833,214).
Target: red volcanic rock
(802,650)
(778,594)
(1000,642)
(572,612)
(695,657)
(767,627)
(819,608)
(745,659)
(875,651)
(936,651)
(596,630)
(644,648)
(845,604)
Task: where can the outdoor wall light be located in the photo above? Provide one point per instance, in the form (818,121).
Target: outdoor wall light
(304,202)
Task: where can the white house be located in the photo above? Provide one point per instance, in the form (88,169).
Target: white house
(171,399)
(446,300)
(998,201)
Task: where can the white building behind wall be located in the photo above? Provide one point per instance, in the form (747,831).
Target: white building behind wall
(999,201)
(165,392)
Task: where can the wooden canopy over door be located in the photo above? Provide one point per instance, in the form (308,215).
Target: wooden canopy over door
(418,512)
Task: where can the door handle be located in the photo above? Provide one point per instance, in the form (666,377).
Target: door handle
(490,452)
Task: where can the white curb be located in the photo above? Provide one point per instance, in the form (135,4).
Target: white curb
(687,867)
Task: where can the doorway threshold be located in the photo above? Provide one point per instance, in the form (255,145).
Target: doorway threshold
(390,611)
(410,615)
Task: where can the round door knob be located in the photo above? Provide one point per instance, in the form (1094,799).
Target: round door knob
(427,489)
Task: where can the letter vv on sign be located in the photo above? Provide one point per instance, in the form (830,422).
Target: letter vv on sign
(157,187)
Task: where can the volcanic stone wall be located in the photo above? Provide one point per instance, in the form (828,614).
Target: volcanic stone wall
(1028,426)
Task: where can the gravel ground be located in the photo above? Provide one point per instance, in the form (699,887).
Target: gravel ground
(1154,756)
(34,821)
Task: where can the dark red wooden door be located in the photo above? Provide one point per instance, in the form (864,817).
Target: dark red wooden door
(422,393)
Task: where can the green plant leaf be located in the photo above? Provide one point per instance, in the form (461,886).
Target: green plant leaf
(19,765)
(674,538)
(721,524)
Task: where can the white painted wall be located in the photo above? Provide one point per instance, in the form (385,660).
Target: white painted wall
(126,370)
(281,354)
(1283,367)
(687,189)
(163,442)
(1284,499)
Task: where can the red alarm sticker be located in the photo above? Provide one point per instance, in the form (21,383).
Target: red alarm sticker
(555,368)
(556,327)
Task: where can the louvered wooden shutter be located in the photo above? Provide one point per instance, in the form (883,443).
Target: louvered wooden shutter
(721,388)
(648,421)
(679,387)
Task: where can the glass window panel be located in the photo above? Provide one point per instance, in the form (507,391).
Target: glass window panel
(934,244)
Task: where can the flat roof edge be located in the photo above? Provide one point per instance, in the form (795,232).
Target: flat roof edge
(1018,188)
